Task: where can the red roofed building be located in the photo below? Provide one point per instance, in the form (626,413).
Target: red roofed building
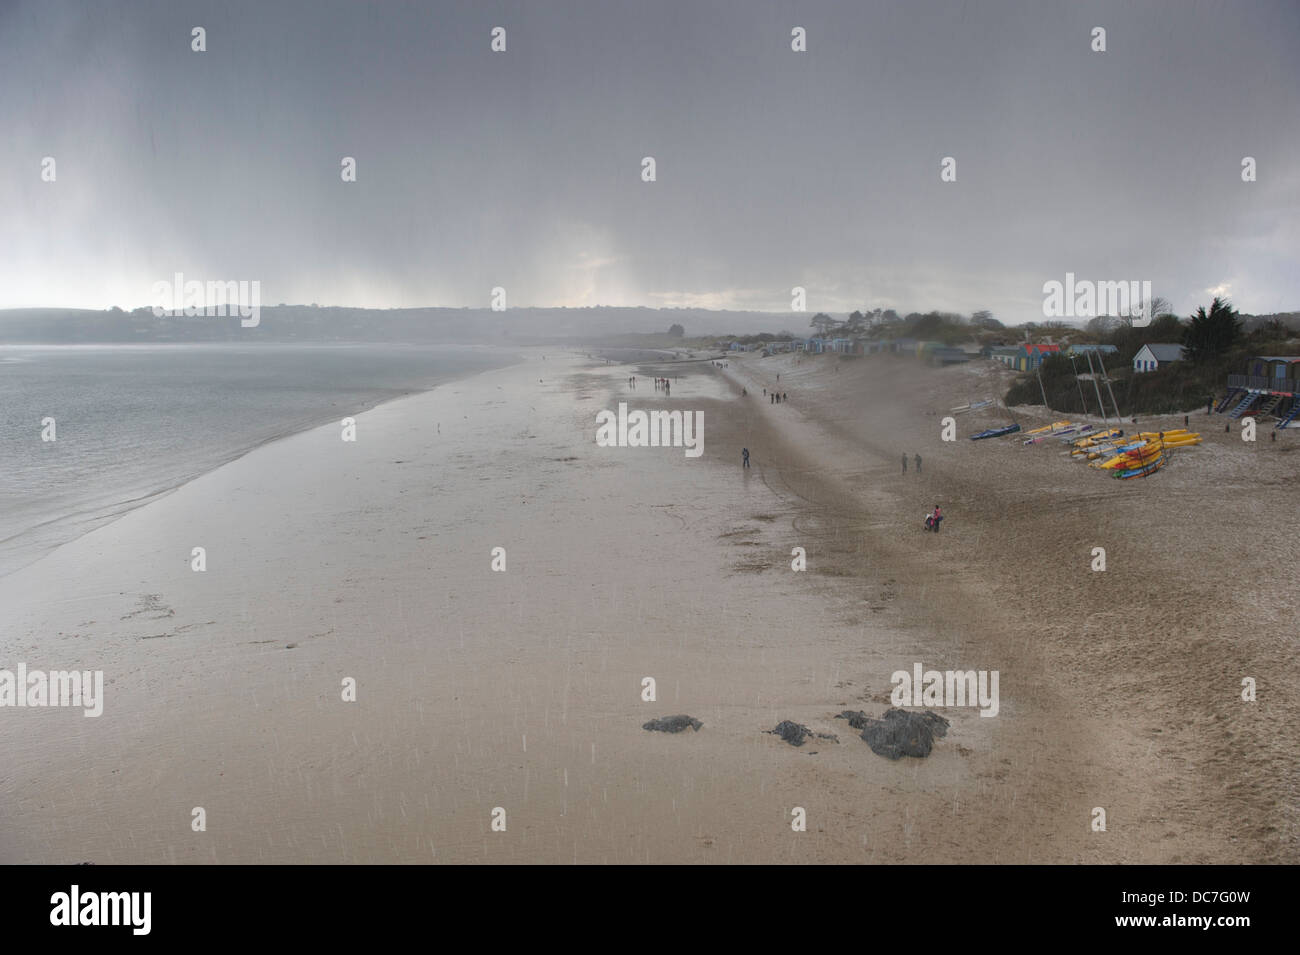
(1035,353)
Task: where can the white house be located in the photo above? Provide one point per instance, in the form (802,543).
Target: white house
(1151,357)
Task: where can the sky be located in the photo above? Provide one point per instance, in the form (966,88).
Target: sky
(523,169)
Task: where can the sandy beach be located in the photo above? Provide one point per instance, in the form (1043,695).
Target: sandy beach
(371,561)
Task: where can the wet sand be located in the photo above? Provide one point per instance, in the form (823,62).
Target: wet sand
(523,690)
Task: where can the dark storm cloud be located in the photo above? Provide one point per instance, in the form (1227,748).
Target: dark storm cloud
(775,168)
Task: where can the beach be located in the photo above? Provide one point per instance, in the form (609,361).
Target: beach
(350,681)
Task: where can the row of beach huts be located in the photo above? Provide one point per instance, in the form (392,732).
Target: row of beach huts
(935,352)
(1024,356)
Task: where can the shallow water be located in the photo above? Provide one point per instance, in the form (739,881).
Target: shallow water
(133,421)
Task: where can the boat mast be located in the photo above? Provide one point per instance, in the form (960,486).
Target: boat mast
(1106,378)
(1100,402)
(1082,402)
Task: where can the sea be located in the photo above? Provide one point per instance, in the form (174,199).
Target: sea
(131,422)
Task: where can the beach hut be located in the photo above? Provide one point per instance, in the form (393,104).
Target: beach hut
(1270,386)
(1152,356)
(1033,354)
(1008,355)
(944,355)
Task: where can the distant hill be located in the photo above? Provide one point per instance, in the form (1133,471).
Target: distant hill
(326,324)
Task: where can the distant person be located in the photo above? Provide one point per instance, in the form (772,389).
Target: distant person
(764,392)
(784,396)
(905,464)
(771,399)
(744,453)
(1209,406)
(918,464)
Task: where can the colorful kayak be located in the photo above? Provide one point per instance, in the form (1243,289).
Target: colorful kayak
(1149,468)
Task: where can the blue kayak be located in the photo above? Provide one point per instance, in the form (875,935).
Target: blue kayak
(996,432)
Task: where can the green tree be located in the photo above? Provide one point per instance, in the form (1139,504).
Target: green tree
(1166,328)
(824,324)
(676,331)
(1211,334)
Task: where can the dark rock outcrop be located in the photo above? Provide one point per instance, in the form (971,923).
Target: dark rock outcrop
(793,733)
(673,724)
(796,733)
(857,719)
(902,733)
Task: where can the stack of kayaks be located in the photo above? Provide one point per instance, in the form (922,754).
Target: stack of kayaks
(1153,465)
(1148,454)
(1130,455)
(1178,438)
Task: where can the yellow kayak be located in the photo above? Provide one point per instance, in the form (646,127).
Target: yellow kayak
(1173,433)
(1051,427)
(1093,440)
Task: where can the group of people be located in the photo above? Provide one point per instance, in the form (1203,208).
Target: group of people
(774,397)
(664,385)
(918,464)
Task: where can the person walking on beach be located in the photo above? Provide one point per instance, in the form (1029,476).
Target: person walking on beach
(744,454)
(905,464)
(918,464)
(784,396)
